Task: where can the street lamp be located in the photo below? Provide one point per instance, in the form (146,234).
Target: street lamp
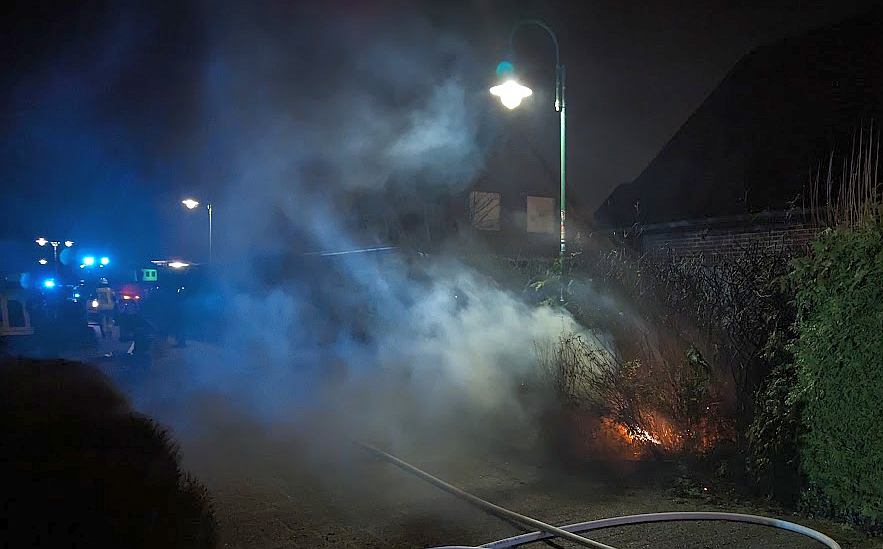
(511,93)
(55,244)
(191,204)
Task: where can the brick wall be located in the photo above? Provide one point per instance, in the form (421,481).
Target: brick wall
(715,239)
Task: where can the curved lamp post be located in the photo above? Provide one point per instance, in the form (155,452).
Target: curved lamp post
(191,204)
(511,94)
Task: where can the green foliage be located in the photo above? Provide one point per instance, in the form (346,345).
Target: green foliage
(839,383)
(693,388)
(773,459)
(544,288)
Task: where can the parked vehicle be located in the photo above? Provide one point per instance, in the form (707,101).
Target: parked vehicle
(101,306)
(16,331)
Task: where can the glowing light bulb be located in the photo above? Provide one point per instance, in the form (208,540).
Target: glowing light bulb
(511,93)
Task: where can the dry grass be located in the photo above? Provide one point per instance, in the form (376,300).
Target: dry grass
(852,195)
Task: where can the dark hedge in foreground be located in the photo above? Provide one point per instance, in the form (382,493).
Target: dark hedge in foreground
(78,468)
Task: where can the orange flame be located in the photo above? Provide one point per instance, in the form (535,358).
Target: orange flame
(607,438)
(659,433)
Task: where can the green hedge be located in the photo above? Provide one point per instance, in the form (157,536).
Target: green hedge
(773,460)
(839,360)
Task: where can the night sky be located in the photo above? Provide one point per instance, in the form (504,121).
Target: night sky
(109,111)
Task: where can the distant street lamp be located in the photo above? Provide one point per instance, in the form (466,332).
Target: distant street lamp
(178,264)
(55,244)
(42,261)
(511,93)
(191,204)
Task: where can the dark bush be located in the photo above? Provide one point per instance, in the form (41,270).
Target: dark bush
(693,337)
(78,468)
(839,374)
(773,459)
(727,310)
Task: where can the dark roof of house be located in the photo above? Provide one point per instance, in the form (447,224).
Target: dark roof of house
(774,118)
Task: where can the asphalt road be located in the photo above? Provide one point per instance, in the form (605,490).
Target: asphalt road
(276,484)
(376,505)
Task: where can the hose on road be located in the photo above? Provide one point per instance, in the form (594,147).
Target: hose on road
(570,532)
(551,531)
(523,539)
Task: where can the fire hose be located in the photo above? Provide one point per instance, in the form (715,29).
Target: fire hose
(492,508)
(570,532)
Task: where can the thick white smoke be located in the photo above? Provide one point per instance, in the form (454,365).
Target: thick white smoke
(389,346)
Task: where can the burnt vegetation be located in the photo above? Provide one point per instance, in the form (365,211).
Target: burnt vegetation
(683,346)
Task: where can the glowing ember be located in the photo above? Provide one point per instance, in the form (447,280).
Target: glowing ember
(658,433)
(641,434)
(608,439)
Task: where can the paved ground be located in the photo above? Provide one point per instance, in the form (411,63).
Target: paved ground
(280,486)
(283,507)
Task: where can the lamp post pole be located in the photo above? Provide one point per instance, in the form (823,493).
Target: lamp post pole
(190,204)
(209,208)
(562,112)
(561,108)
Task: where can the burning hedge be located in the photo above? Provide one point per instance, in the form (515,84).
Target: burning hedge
(648,407)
